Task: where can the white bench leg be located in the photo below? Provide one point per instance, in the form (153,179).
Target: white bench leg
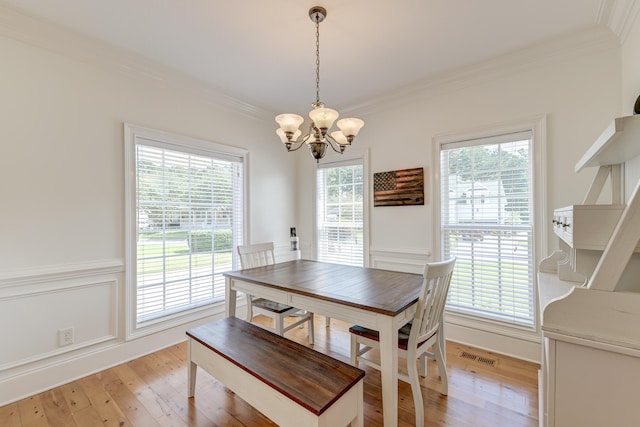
(359,421)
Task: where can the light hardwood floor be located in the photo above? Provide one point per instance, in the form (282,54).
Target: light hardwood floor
(485,389)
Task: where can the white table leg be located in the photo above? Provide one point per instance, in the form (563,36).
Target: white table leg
(230,298)
(193,370)
(389,370)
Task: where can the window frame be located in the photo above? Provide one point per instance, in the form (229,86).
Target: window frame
(537,127)
(349,158)
(177,143)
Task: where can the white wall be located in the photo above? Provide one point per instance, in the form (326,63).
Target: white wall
(631,85)
(64,100)
(574,82)
(631,63)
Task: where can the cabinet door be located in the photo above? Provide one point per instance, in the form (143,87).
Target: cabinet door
(595,387)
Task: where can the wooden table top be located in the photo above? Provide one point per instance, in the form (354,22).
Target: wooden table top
(381,291)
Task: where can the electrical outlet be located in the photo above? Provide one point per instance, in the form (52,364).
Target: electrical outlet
(65,336)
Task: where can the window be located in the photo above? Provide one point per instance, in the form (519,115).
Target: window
(185,210)
(487,222)
(340,212)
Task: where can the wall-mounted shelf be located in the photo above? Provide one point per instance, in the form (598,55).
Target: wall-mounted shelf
(619,142)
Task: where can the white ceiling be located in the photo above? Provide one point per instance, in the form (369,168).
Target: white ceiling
(263,51)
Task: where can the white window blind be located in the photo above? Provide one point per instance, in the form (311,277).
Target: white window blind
(189,216)
(487,223)
(340,213)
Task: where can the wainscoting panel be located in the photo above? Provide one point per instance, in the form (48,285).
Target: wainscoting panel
(36,303)
(42,319)
(284,253)
(407,261)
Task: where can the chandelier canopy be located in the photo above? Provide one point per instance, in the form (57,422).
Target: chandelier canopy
(322,118)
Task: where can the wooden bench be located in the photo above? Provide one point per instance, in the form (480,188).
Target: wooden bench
(291,384)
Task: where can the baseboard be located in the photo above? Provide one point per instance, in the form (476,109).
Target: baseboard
(28,382)
(501,339)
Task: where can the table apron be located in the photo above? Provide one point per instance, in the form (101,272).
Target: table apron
(346,313)
(260,291)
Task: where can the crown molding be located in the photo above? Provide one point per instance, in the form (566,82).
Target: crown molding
(56,39)
(616,15)
(619,16)
(553,51)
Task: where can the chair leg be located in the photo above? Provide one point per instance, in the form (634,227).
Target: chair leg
(423,364)
(310,328)
(442,341)
(415,390)
(442,367)
(354,350)
(249,308)
(279,321)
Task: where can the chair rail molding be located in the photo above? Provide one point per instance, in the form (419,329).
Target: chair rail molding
(49,273)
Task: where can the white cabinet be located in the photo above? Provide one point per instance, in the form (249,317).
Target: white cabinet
(589,295)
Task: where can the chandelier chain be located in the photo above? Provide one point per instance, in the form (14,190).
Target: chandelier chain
(317,60)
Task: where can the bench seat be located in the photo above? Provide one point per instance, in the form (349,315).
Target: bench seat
(291,384)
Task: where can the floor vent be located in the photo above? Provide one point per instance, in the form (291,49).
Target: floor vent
(476,358)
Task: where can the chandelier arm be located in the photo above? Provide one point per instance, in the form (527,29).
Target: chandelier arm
(311,132)
(294,147)
(333,144)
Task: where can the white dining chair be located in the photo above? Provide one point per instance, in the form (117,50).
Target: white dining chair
(418,336)
(259,255)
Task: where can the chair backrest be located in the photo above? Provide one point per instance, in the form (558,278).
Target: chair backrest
(433,296)
(256,255)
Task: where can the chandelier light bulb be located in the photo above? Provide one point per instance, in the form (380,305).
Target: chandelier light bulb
(323,118)
(350,127)
(283,136)
(339,137)
(289,122)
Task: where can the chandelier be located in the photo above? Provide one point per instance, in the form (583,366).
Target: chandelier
(318,136)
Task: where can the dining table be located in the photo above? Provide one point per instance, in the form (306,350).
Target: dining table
(378,299)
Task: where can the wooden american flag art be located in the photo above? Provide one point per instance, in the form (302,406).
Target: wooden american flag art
(398,188)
